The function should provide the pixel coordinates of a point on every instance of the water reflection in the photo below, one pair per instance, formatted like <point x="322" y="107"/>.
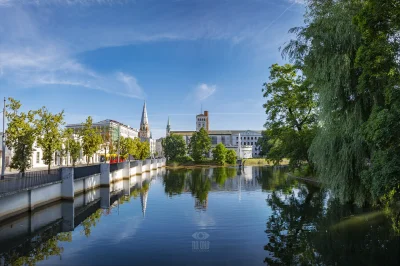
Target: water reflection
<point x="254" y="215"/>
<point x="308" y="227"/>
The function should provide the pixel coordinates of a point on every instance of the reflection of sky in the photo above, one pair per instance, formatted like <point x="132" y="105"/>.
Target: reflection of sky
<point x="236" y="231"/>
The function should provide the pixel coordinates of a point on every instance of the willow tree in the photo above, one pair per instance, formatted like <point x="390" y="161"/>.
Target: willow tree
<point x="349" y="51"/>
<point x="325" y="50"/>
<point x="379" y="24"/>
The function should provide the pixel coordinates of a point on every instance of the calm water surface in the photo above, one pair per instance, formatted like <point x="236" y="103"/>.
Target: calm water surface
<point x="215" y="216"/>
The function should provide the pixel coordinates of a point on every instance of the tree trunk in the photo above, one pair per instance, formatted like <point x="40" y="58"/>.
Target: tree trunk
<point x="48" y="168"/>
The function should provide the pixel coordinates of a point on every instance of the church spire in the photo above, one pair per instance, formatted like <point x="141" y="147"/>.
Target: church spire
<point x="144" y="120"/>
<point x="168" y="127"/>
<point x="144" y="132"/>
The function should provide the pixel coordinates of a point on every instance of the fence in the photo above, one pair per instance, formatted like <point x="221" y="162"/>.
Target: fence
<point x="116" y="166"/>
<point x="16" y="182"/>
<point x="83" y="171"/>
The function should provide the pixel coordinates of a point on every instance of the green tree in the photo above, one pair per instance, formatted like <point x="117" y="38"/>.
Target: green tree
<point x="128" y="146"/>
<point x="219" y="154"/>
<point x="74" y="150"/>
<point x="21" y="133"/>
<point x="291" y="114"/>
<point x="264" y="143"/>
<point x="379" y="25"/>
<point x="174" y="147"/>
<point x="231" y="156"/>
<point x="349" y="50"/>
<point x="200" y="145"/>
<point x="91" y="139"/>
<point x="49" y="136"/>
<point x="143" y="150"/>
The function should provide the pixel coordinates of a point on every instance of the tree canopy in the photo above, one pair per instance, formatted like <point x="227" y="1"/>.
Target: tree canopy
<point x="174" y="147"/>
<point x="200" y="145"/>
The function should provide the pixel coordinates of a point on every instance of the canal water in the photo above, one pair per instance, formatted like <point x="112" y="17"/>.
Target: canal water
<point x="211" y="216"/>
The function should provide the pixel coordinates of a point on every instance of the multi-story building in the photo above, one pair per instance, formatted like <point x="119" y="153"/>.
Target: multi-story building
<point x="159" y="147"/>
<point x="244" y="142"/>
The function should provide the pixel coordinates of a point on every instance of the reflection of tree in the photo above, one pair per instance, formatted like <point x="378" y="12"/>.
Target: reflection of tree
<point x="221" y="174"/>
<point x="174" y="182"/>
<point x="306" y="228"/>
<point x="91" y="221"/>
<point x="37" y="248"/>
<point x="272" y="179"/>
<point x="199" y="185"/>
<point x="289" y="239"/>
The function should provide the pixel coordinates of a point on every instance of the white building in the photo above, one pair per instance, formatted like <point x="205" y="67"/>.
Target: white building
<point x="159" y="148"/>
<point x="230" y="138"/>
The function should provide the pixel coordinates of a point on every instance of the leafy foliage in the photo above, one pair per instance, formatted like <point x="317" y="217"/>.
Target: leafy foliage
<point x="49" y="133"/>
<point x="200" y="145"/>
<point x="91" y="139"/>
<point x="174" y="147"/>
<point x="21" y="134"/>
<point x="291" y="115"/>
<point x="349" y="50"/>
<point x="219" y="154"/>
<point x="143" y="150"/>
<point x="231" y="156"/>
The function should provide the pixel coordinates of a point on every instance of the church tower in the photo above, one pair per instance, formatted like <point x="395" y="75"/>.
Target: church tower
<point x="168" y="128"/>
<point x="144" y="132"/>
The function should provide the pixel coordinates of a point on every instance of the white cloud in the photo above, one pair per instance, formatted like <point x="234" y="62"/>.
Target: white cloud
<point x="203" y="91"/>
<point x="133" y="88"/>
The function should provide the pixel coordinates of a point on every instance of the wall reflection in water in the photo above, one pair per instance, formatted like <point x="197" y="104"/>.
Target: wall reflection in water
<point x="35" y="236"/>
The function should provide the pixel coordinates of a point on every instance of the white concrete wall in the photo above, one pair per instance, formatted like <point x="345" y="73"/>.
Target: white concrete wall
<point x="87" y="183"/>
<point x="45" y="195"/>
<point x="14" y="204"/>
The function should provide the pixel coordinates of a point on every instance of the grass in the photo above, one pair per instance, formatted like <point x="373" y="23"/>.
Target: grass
<point x="262" y="161"/>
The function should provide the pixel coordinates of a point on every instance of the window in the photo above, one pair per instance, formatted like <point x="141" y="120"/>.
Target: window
<point x="214" y="140"/>
<point x="244" y="143"/>
<point x="251" y="143"/>
<point x="251" y="138"/>
<point x="37" y="157"/>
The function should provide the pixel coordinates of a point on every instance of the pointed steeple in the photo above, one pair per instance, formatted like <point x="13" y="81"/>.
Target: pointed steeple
<point x="144" y="120"/>
<point x="168" y="127"/>
<point x="144" y="132"/>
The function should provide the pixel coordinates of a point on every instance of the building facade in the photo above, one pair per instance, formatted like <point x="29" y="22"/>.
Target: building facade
<point x="244" y="142"/>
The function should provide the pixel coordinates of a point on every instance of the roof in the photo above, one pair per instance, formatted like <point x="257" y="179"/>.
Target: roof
<point x="101" y="123"/>
<point x="217" y="132"/>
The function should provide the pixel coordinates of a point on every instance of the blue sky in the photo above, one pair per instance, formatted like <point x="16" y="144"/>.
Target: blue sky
<point x="105" y="57"/>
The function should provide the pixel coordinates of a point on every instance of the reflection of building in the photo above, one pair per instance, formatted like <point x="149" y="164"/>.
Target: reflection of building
<point x="200" y="205"/>
<point x="143" y="200"/>
<point x="230" y="138"/>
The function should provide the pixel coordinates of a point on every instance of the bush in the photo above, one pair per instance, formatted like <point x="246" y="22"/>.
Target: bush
<point x="219" y="154"/>
<point x="184" y="159"/>
<point x="231" y="157"/>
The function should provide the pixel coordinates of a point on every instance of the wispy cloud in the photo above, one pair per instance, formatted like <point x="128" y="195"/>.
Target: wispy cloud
<point x="203" y="91"/>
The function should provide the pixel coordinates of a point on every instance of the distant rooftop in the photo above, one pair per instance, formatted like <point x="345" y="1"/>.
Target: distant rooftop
<point x="102" y="123"/>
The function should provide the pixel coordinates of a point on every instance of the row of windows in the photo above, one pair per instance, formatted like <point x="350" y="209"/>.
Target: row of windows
<point x="248" y="138"/>
<point x="201" y="119"/>
<point x="247" y="143"/>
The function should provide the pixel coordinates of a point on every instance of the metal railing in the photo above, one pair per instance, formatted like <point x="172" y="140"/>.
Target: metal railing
<point x="83" y="171"/>
<point x="116" y="166"/>
<point x="16" y="182"/>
